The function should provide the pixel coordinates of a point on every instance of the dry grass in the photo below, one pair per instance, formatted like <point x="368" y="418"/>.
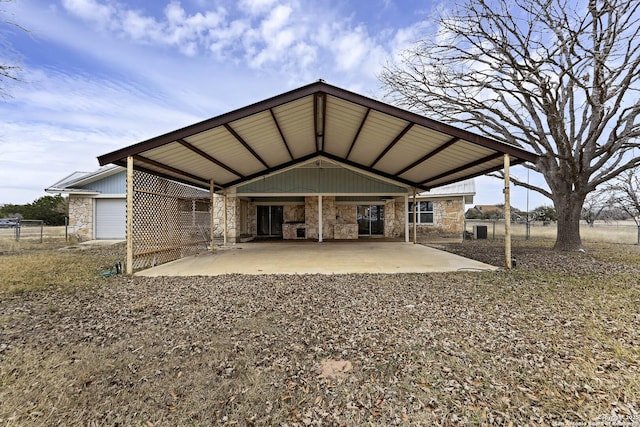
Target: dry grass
<point x="623" y="232"/>
<point x="28" y="265"/>
<point x="554" y="341"/>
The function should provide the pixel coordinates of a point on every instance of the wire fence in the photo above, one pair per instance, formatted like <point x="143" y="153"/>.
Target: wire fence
<point x="625" y="232"/>
<point x="25" y="229"/>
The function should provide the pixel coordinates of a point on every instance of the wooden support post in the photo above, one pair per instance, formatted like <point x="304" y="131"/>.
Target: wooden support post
<point x="129" y="261"/>
<point x="212" y="192"/>
<point x="415" y="218"/>
<point x="507" y="212"/>
<point x="226" y="224"/>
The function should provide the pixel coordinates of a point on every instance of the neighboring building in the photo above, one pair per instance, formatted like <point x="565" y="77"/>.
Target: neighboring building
<point x="485" y="211"/>
<point x="97" y="203"/>
<point x="97" y="208"/>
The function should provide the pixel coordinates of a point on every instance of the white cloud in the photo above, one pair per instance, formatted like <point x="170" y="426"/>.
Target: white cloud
<point x="91" y="10"/>
<point x="144" y="74"/>
<point x="256" y="7"/>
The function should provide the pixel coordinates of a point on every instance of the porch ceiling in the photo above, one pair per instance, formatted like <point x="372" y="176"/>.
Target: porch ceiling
<point x="318" y="120"/>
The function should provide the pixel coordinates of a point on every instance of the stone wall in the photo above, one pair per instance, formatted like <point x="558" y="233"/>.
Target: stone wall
<point x="448" y="218"/>
<point x="400" y="217"/>
<point x="233" y="223"/>
<point x="81" y="217"/>
<point x="346" y="226"/>
<point x="293" y="213"/>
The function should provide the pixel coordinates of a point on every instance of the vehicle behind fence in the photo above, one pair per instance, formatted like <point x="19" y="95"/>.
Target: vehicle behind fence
<point x="626" y="232"/>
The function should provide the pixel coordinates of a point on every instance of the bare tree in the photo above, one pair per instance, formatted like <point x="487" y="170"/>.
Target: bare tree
<point x="557" y="77"/>
<point x="595" y="206"/>
<point x="8" y="72"/>
<point x="626" y="193"/>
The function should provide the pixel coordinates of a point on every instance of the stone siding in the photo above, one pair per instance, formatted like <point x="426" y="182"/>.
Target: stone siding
<point x="81" y="218"/>
<point x="448" y="218"/>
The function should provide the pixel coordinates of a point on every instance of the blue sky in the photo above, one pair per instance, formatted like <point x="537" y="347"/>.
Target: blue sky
<point x="99" y="75"/>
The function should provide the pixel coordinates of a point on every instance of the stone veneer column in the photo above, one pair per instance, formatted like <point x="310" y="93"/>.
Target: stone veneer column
<point x="81" y="217"/>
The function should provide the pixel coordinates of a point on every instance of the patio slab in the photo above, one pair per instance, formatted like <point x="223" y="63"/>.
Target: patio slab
<point x="309" y="257"/>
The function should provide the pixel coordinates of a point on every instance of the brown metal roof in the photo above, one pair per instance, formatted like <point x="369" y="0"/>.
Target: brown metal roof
<point x="319" y="120"/>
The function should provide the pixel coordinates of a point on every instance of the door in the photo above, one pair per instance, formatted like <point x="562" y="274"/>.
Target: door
<point x="111" y="218"/>
<point x="371" y="220"/>
<point x="270" y="220"/>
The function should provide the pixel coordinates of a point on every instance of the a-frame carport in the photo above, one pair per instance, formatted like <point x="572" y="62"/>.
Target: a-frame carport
<point x="323" y="122"/>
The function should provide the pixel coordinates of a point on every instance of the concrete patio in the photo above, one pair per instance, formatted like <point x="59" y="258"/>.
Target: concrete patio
<point x="309" y="257"/>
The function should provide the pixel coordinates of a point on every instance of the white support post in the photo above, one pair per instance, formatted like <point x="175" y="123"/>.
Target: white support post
<point x="415" y="218"/>
<point x="406" y="218"/>
<point x="319" y="218"/>
<point x="226" y="224"/>
<point x="212" y="193"/>
<point x="129" y="261"/>
<point x="507" y="212"/>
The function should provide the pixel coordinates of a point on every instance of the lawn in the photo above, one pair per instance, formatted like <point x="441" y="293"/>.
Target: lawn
<point x="555" y="341"/>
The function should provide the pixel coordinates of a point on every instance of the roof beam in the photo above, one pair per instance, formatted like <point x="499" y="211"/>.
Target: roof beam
<point x="164" y="175"/>
<point x="208" y="157"/>
<point x="392" y="143"/>
<point x="484" y="172"/>
<point x="284" y="140"/>
<point x="355" y="138"/>
<point x="229" y="129"/>
<point x="427" y="156"/>
<point x="319" y="114"/>
<point x="168" y="168"/>
<point x="463" y="167"/>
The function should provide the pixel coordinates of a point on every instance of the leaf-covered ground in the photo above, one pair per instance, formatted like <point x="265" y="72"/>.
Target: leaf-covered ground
<point x="554" y="341"/>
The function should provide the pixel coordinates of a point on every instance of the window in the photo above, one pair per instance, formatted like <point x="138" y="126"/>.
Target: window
<point x="425" y="212"/>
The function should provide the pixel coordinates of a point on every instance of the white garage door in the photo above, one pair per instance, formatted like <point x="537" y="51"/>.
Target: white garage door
<point x="111" y="218"/>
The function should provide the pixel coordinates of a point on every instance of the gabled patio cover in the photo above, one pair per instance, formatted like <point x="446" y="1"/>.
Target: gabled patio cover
<point x="319" y="120"/>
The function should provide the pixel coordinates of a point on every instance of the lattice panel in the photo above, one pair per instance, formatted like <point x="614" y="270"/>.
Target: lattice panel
<point x="170" y="220"/>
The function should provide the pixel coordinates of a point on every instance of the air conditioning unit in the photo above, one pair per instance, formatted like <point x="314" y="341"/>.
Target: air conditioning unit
<point x="479" y="232"/>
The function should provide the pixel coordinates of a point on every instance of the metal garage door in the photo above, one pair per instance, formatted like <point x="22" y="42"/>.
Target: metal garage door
<point x="111" y="222"/>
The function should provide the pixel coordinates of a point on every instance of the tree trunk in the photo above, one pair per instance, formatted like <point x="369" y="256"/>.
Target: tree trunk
<point x="568" y="235"/>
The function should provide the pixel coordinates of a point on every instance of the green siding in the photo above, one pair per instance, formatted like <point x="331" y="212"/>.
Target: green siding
<point x="320" y="180"/>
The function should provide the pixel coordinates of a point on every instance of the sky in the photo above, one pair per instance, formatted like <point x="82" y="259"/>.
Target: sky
<point x="99" y="75"/>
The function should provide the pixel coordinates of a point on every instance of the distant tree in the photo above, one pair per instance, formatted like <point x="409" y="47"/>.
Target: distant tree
<point x="50" y="209"/>
<point x="596" y="206"/>
<point x="556" y="77"/>
<point x="545" y="214"/>
<point x="626" y="193"/>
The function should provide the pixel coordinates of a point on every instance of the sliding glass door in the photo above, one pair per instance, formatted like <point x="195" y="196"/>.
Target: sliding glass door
<point x="371" y="220"/>
<point x="270" y="220"/>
